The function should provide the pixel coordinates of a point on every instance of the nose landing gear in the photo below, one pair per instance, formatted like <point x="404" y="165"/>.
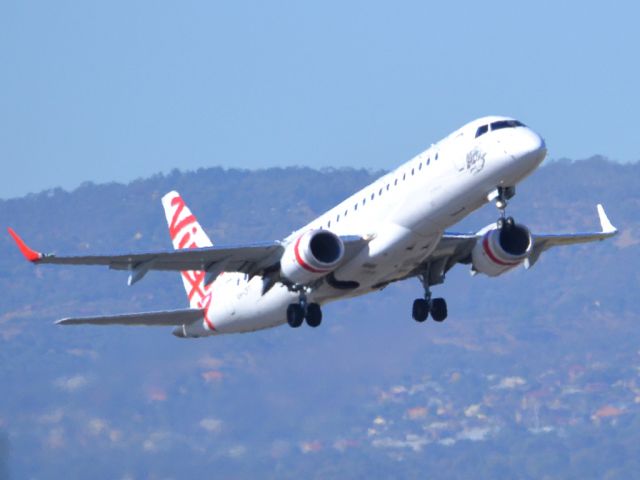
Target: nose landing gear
<point x="501" y="196"/>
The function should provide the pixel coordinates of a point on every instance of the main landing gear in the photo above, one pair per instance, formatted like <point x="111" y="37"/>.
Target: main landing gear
<point x="301" y="311"/>
<point x="422" y="307"/>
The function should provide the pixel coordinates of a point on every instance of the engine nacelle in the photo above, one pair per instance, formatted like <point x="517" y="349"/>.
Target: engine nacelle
<point x="313" y="255"/>
<point x="501" y="249"/>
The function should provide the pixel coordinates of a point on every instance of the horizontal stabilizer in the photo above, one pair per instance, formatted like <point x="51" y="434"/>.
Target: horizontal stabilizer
<point x="157" y="319"/>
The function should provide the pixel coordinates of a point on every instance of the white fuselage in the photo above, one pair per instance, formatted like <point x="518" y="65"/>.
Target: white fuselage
<point x="403" y="214"/>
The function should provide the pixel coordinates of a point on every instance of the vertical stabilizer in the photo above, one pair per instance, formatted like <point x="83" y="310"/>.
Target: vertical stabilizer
<point x="186" y="232"/>
<point x="184" y="229"/>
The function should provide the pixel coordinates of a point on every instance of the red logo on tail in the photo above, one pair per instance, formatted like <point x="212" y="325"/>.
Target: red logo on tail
<point x="177" y="226"/>
<point x="194" y="279"/>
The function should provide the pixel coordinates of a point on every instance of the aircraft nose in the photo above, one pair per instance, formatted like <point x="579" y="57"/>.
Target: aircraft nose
<point x="528" y="147"/>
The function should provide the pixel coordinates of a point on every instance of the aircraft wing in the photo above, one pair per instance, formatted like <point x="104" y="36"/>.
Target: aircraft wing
<point x="163" y="318"/>
<point x="544" y="242"/>
<point x="250" y="259"/>
<point x="456" y="248"/>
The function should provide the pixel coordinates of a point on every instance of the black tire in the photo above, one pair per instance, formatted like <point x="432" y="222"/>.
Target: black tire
<point x="295" y="315"/>
<point x="420" y="310"/>
<point x="314" y="315"/>
<point x="439" y="309"/>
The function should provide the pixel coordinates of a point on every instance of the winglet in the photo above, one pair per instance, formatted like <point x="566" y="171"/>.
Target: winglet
<point x="605" y="224"/>
<point x="28" y="253"/>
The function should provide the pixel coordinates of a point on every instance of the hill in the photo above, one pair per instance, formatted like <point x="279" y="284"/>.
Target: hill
<point x="535" y="374"/>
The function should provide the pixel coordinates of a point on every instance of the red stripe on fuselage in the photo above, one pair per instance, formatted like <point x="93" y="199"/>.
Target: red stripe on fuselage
<point x="204" y="301"/>
<point x="195" y="282"/>
<point x="487" y="249"/>
<point x="303" y="264"/>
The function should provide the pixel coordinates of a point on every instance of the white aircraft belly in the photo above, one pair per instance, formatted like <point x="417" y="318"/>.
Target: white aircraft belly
<point x="254" y="311"/>
<point x="395" y="250"/>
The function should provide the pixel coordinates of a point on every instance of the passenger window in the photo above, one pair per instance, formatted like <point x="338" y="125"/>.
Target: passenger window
<point x="380" y="192"/>
<point x="395" y="182"/>
<point x="436" y="156"/>
<point x="428" y="160"/>
<point x="420" y="166"/>
<point x="338" y="218"/>
<point x="387" y="187"/>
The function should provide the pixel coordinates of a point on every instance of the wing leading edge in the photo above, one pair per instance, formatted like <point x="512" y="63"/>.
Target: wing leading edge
<point x="250" y="259"/>
<point x="237" y="258"/>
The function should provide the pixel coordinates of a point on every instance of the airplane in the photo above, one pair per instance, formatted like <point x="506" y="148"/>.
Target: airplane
<point x="391" y="230"/>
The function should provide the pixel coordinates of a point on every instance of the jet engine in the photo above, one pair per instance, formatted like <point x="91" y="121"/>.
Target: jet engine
<point x="313" y="255"/>
<point x="501" y="249"/>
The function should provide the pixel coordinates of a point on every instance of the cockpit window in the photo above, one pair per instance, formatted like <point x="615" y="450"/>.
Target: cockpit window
<point x="506" y="124"/>
<point x="482" y="130"/>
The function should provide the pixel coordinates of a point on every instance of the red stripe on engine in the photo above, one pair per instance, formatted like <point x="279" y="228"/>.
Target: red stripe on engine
<point x="491" y="255"/>
<point x="303" y="264"/>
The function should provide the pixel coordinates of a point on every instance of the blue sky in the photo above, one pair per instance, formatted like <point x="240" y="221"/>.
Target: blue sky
<point x="117" y="90"/>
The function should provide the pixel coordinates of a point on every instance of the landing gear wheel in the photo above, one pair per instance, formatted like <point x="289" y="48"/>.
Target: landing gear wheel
<point x="505" y="222"/>
<point x="420" y="310"/>
<point x="314" y="315"/>
<point x="438" y="309"/>
<point x="295" y="315"/>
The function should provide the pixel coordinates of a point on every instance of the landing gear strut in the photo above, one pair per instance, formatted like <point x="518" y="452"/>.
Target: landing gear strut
<point x="298" y="312"/>
<point x="422" y="307"/>
<point x="501" y="196"/>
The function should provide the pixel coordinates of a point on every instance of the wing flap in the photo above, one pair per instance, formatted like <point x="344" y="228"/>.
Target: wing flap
<point x="151" y="319"/>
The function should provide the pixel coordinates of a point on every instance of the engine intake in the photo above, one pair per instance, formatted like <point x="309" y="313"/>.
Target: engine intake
<point x="313" y="255"/>
<point x="502" y="249"/>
